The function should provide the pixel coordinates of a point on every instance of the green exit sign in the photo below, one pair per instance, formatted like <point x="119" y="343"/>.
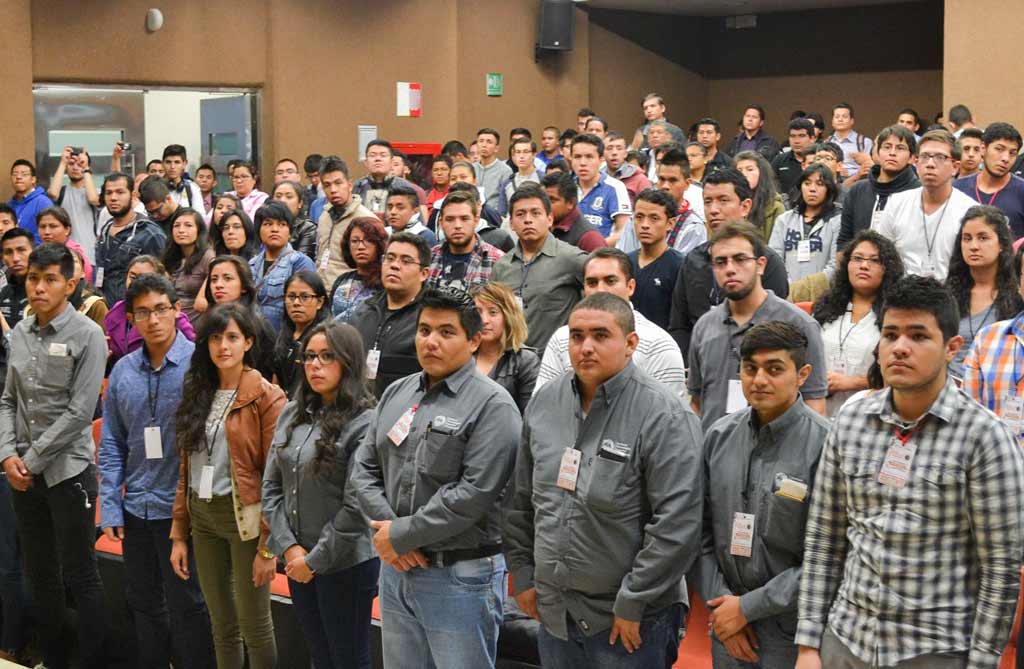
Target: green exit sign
<point x="495" y="84"/>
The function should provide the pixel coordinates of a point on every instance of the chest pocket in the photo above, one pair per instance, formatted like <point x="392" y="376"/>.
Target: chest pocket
<point x="614" y="485"/>
<point x="441" y="456"/>
<point x="272" y="289"/>
<point x="785" y="520"/>
<point x="116" y="253"/>
<point x="56" y="372"/>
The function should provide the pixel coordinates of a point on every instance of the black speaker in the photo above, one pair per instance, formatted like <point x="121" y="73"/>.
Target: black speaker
<point x="557" y="25"/>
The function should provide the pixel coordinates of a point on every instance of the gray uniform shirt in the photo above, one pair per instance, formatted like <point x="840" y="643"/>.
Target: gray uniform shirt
<point x="492" y="178"/>
<point x="54" y="374"/>
<point x="715" y="353"/>
<point x="441" y="485"/>
<point x="549" y="285"/>
<point x="315" y="508"/>
<point x="619" y="544"/>
<point x="743" y="465"/>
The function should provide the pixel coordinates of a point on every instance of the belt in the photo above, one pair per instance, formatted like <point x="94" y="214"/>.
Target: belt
<point x="447" y="558"/>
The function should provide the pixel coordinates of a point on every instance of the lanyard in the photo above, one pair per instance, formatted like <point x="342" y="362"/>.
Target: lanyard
<point x="970" y="320"/>
<point x="977" y="193"/>
<point x="220" y="421"/>
<point x="153" y="399"/>
<point x="904" y="438"/>
<point x="924" y="223"/>
<point x="1017" y="378"/>
<point x="842" y="339"/>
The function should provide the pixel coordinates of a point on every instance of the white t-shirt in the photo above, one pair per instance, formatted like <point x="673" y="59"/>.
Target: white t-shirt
<point x="851" y="345"/>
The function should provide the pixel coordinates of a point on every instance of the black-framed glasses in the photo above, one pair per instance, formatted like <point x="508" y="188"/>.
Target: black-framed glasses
<point x="324" y="357"/>
<point x="144" y="314"/>
<point x="302" y="298"/>
<point x="738" y="260"/>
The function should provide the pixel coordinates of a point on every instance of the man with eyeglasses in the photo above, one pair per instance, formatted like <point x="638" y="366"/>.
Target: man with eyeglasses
<point x="387" y="321"/>
<point x="286" y="169"/>
<point x="924" y="222"/>
<point x="137" y="452"/>
<point x="894" y="173"/>
<point x="738" y="258"/>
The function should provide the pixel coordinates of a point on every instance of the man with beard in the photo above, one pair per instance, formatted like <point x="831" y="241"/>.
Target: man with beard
<point x="79" y="198"/>
<point x="994" y="184"/>
<point x="123" y="237"/>
<point x="738" y="261"/>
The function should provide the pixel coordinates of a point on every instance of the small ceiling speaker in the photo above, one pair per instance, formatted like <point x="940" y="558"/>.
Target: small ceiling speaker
<point x="154" y="20"/>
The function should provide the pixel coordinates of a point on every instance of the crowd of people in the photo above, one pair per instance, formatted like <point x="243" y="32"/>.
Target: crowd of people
<point x="613" y="368"/>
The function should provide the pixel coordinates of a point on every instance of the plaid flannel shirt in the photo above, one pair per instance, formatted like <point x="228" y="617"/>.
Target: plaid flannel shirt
<point x="993" y="367"/>
<point x="932" y="567"/>
<point x="478" y="271"/>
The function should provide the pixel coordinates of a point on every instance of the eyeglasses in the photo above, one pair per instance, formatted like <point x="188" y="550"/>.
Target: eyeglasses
<point x="325" y="357"/>
<point x="391" y="258"/>
<point x="145" y="314"/>
<point x="302" y="298"/>
<point x="359" y="242"/>
<point x="873" y="261"/>
<point x="739" y="260"/>
<point x="939" y="158"/>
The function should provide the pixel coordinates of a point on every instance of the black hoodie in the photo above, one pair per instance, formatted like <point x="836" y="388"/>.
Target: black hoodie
<point x="868" y="194"/>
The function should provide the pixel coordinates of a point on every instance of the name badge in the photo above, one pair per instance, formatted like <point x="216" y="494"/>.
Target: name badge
<point x="929" y="267"/>
<point x="839" y="364"/>
<point x="206" y="483"/>
<point x="736" y="400"/>
<point x="742" y="543"/>
<point x="519" y="301"/>
<point x="400" y="430"/>
<point x="324" y="261"/>
<point x="569" y="470"/>
<point x="803" y="251"/>
<point x="1012" y="412"/>
<point x="372" y="363"/>
<point x="58" y="349"/>
<point x="98" y="277"/>
<point x="895" y="470"/>
<point x="154" y="445"/>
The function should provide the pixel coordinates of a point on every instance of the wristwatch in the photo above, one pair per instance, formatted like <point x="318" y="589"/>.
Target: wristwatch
<point x="267" y="555"/>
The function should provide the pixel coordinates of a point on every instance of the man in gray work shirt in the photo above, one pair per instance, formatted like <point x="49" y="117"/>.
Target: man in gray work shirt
<point x="605" y="513"/>
<point x="55" y="370"/>
<point x="738" y="259"/>
<point x="759" y="466"/>
<point x="429" y="475"/>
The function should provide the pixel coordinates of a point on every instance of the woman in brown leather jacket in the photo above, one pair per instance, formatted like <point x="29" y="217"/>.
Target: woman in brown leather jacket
<point x="224" y="430"/>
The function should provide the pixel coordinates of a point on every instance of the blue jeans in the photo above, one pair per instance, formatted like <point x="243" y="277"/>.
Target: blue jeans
<point x="775" y="648"/>
<point x="13" y="587"/>
<point x="171" y="620"/>
<point x="594" y="652"/>
<point x="444" y="617"/>
<point x="334" y="613"/>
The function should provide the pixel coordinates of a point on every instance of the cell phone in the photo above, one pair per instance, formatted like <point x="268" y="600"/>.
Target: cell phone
<point x="127" y="146"/>
<point x="75" y="150"/>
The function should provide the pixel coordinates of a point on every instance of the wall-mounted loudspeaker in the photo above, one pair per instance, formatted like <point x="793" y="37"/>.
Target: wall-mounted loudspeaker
<point x="557" y="25"/>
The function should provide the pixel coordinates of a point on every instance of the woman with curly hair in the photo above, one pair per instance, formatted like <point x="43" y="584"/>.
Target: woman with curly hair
<point x="982" y="276"/>
<point x="316" y="525"/>
<point x="850" y="313"/>
<point x="362" y="247"/>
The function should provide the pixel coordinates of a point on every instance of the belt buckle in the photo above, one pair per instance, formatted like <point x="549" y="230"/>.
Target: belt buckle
<point x="436" y="560"/>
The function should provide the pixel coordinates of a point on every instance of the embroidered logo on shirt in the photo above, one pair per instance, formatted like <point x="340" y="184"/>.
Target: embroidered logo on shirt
<point x="598" y="203"/>
<point x="657" y="281"/>
<point x="447" y="424"/>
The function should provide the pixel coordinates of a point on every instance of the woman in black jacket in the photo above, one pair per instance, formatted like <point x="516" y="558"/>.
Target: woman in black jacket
<point x="502" y="355"/>
<point x="303" y="230"/>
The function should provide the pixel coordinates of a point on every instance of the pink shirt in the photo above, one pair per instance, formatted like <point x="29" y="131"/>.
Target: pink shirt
<point x="252" y="202"/>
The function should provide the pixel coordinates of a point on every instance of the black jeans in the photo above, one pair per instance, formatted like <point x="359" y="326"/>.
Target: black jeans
<point x="171" y="620"/>
<point x="13" y="590"/>
<point x="58" y="537"/>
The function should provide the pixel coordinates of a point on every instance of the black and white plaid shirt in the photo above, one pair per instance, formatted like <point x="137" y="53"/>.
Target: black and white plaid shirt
<point x="932" y="567"/>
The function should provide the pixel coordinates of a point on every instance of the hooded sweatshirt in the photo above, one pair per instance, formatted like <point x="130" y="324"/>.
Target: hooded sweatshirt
<point x="28" y="207"/>
<point x="867" y="197"/>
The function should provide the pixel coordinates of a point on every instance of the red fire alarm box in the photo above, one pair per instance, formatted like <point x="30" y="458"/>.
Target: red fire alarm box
<point x="421" y="155"/>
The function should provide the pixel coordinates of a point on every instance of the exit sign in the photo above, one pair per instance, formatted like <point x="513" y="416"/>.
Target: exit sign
<point x="495" y="84"/>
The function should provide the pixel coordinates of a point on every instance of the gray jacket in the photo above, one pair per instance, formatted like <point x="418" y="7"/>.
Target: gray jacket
<point x="620" y="543"/>
<point x="742" y="463"/>
<point x="441" y="485"/>
<point x="316" y="509"/>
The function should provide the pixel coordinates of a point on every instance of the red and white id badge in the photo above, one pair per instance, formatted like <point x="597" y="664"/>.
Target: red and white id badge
<point x="569" y="469"/>
<point x="742" y="542"/>
<point x="372" y="363"/>
<point x="400" y="430"/>
<point x="899" y="458"/>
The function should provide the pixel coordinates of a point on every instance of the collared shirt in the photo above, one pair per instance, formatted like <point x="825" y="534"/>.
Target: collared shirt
<point x="715" y="353"/>
<point x="313" y="505"/>
<point x="925" y="241"/>
<point x="656" y="354"/>
<point x="54" y="374"/>
<point x="994" y="367"/>
<point x="188" y="194"/>
<point x="139" y="397"/>
<point x="850" y="346"/>
<point x="549" y="285"/>
<point x="467" y="274"/>
<point x="271" y="278"/>
<point x="620" y="542"/>
<point x="575" y="230"/>
<point x="854" y="142"/>
<point x="933" y="567"/>
<point x="441" y="485"/>
<point x="744" y="465"/>
<point x="604" y="202"/>
<point x="251" y="202"/>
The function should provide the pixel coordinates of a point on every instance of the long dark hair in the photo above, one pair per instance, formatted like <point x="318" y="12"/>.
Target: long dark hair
<point x="252" y="242"/>
<point x="248" y="297"/>
<point x="832" y="305"/>
<point x="376" y="235"/>
<point x="202" y="379"/>
<point x="831" y="188"/>
<point x="353" y="395"/>
<point x="767" y="190"/>
<point x="1008" y="302"/>
<point x="285" y="335"/>
<point x="173" y="255"/>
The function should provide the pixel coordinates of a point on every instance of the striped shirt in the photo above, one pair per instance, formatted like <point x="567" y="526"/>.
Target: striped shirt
<point x="994" y="367"/>
<point x="932" y="567"/>
<point x="657" y="354"/>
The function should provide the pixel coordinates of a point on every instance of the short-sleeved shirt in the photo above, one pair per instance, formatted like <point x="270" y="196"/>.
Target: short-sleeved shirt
<point x="1009" y="199"/>
<point x="715" y="353"/>
<point x="654" y="285"/>
<point x="603" y="203"/>
<point x="75" y="201"/>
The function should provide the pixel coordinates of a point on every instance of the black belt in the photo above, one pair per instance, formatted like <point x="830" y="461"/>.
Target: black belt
<point x="447" y="558"/>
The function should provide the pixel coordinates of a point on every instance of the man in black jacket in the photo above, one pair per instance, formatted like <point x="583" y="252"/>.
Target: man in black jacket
<point x="894" y="174"/>
<point x="387" y="321"/>
<point x="727" y="197"/>
<point x="788" y="165"/>
<point x="753" y="137"/>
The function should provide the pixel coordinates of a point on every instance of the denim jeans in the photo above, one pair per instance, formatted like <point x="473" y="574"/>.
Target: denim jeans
<point x="334" y="613"/>
<point x="443" y="617"/>
<point x="13" y="588"/>
<point x="171" y="621"/>
<point x="594" y="652"/>
<point x="58" y="536"/>
<point x="775" y="648"/>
